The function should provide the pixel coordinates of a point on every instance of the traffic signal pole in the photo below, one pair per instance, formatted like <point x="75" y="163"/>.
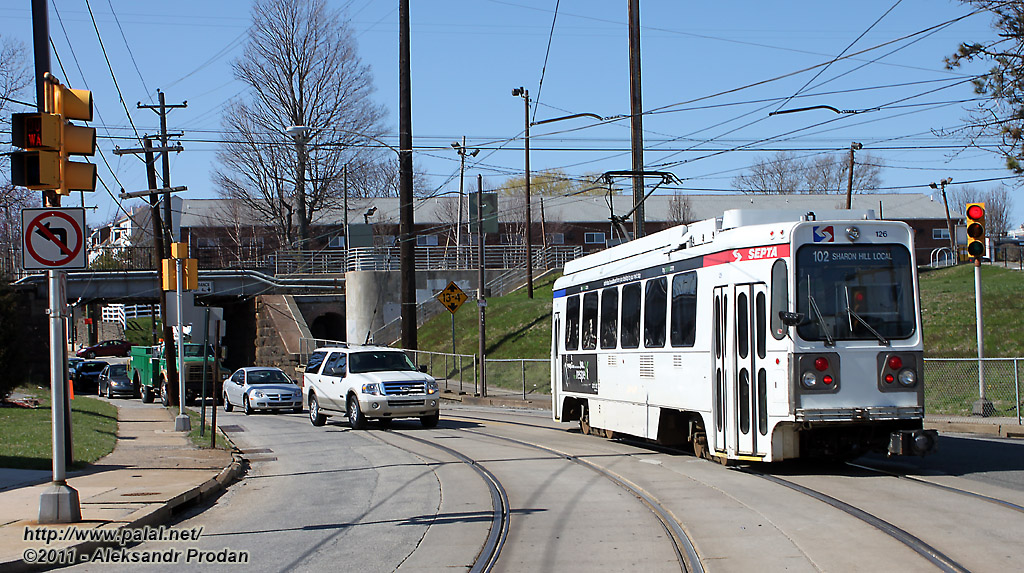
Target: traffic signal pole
<point x="60" y="502"/>
<point x="983" y="406"/>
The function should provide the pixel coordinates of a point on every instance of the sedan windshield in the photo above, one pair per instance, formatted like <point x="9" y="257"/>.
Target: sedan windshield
<point x="855" y="292"/>
<point x="380" y="362"/>
<point x="267" y="377"/>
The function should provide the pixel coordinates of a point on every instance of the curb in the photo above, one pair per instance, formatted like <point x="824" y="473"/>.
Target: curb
<point x="154" y="516"/>
<point x="499" y="402"/>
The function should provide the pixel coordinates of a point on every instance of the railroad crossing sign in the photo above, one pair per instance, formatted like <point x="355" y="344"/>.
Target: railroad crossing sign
<point x="452" y="297"/>
<point x="53" y="238"/>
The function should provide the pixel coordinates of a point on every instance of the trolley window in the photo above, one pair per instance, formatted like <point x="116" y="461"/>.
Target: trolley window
<point x="760" y="326"/>
<point x="683" y="330"/>
<point x="655" y="311"/>
<point x="630" y="336"/>
<point x="609" y="317"/>
<point x="589" y="334"/>
<point x="780" y="298"/>
<point x="572" y="323"/>
<point x="742" y="325"/>
<point x="855" y="292"/>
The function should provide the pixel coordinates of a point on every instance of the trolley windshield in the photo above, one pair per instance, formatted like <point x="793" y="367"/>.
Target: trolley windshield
<point x="855" y="292"/>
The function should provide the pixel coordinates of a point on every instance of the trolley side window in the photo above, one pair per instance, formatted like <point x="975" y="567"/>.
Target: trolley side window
<point x="780" y="298"/>
<point x="684" y="309"/>
<point x="630" y="336"/>
<point x="609" y="317"/>
<point x="655" y="311"/>
<point x="572" y="323"/>
<point x="589" y="335"/>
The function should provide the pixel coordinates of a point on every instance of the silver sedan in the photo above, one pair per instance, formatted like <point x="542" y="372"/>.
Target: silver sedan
<point x="261" y="388"/>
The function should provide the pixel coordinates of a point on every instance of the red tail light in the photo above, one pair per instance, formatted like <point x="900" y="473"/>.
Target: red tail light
<point x="895" y="362"/>
<point x="821" y="364"/>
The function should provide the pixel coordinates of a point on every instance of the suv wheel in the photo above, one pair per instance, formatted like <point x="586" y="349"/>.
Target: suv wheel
<point x="315" y="417"/>
<point x="431" y="420"/>
<point x="355" y="415"/>
<point x="227" y="403"/>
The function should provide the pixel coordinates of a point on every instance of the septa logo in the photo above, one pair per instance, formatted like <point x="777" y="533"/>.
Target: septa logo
<point x="823" y="234"/>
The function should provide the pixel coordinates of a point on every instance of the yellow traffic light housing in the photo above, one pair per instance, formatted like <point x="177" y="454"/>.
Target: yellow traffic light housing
<point x="75" y="140"/>
<point x="976" y="230"/>
<point x="39" y="134"/>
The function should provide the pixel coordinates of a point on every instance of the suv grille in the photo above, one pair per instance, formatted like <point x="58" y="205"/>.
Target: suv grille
<point x="403" y="388"/>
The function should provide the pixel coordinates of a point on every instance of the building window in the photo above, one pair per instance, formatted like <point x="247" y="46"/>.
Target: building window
<point x="556" y="238"/>
<point x="336" y="242"/>
<point x="940" y="234"/>
<point x="510" y="239"/>
<point x="593" y="238"/>
<point x="426" y="240"/>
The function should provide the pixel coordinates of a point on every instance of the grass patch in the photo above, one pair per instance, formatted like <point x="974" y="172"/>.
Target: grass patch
<point x="27" y="433"/>
<point x="948" y="312"/>
<point x="204" y="440"/>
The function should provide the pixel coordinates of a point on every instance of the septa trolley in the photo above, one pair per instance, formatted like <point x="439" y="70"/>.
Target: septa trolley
<point x="758" y="336"/>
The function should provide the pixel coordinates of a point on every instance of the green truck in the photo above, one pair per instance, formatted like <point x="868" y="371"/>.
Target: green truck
<point x="148" y="371"/>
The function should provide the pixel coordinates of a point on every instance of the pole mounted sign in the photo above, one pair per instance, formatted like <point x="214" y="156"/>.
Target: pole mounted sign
<point x="53" y="239"/>
<point x="452" y="297"/>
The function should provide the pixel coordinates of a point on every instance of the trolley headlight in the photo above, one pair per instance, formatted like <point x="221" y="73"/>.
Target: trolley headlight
<point x="809" y="380"/>
<point x="908" y="377"/>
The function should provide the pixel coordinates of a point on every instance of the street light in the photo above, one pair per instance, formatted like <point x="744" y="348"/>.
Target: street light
<point x="949" y="222"/>
<point x="369" y="213"/>
<point x="525" y="94"/>
<point x="301" y="135"/>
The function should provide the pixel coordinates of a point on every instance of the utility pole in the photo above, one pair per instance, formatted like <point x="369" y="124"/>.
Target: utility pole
<point x="949" y="221"/>
<point x="407" y="253"/>
<point x="481" y="300"/>
<point x="636" y="118"/>
<point x="462" y="151"/>
<point x="181" y="423"/>
<point x="849" y="175"/>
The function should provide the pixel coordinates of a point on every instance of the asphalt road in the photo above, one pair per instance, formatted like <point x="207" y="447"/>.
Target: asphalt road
<point x="334" y="499"/>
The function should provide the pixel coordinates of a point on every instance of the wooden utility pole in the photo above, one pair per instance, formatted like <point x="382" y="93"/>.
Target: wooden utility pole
<point x="636" y="118"/>
<point x="406" y="235"/>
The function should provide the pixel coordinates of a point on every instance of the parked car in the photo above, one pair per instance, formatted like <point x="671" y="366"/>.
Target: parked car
<point x="368" y="382"/>
<point x="73" y="366"/>
<point x="87" y="376"/>
<point x="106" y="348"/>
<point x="261" y="388"/>
<point x="113" y="381"/>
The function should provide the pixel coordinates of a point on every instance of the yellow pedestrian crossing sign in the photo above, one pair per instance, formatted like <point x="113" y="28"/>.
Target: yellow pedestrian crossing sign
<point x="452" y="297"/>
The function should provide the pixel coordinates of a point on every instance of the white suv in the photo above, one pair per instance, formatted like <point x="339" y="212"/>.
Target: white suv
<point x="368" y="383"/>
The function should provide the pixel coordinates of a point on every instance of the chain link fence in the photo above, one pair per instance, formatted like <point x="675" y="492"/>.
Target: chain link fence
<point x="969" y="389"/>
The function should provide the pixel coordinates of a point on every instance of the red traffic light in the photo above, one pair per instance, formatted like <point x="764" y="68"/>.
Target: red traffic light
<point x="975" y="211"/>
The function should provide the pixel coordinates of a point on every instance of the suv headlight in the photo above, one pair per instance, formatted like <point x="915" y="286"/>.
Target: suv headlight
<point x="431" y="386"/>
<point x="373" y="389"/>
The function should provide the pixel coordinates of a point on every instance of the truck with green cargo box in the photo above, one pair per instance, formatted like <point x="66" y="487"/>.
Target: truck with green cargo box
<point x="148" y="371"/>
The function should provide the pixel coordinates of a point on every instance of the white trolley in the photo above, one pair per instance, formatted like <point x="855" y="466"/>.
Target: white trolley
<point x="756" y="336"/>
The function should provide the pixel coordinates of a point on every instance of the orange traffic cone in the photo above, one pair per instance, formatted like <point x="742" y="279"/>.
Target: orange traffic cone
<point x="71" y="390"/>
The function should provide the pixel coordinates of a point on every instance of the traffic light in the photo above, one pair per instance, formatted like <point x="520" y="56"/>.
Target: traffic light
<point x="48" y="139"/>
<point x="75" y="139"/>
<point x="976" y="229"/>
<point x="39" y="134"/>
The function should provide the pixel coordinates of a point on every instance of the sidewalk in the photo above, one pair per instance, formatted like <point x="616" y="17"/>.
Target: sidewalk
<point x="152" y="471"/>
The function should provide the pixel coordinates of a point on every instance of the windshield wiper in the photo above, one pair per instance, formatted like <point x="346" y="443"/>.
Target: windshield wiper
<point x="849" y="311"/>
<point x="821" y="321"/>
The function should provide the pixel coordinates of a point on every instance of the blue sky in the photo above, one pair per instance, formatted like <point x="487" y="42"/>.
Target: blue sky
<point x="712" y="72"/>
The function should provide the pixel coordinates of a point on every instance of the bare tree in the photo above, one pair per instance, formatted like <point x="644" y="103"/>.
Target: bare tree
<point x="787" y="172"/>
<point x="679" y="211"/>
<point x="15" y="79"/>
<point x="998" y="206"/>
<point x="302" y="69"/>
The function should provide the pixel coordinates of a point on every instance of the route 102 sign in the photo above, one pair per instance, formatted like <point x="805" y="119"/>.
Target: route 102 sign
<point x="53" y="239"/>
<point x="452" y="297"/>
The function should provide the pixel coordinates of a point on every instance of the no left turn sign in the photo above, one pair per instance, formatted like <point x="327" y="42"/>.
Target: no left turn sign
<point x="53" y="238"/>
